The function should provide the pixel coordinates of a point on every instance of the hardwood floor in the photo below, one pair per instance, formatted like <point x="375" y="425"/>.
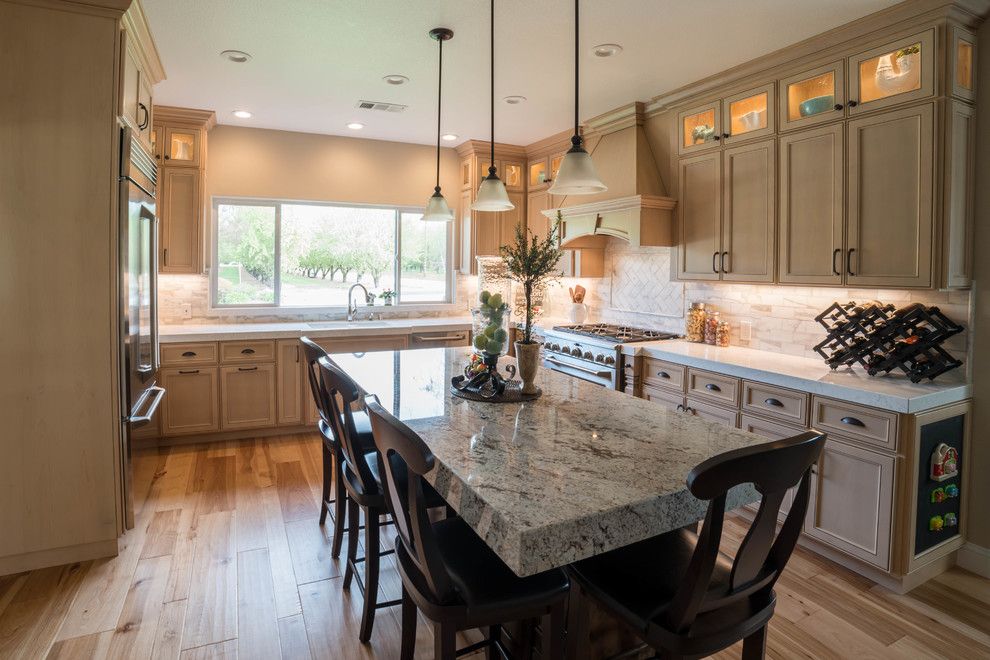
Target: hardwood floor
<point x="227" y="560"/>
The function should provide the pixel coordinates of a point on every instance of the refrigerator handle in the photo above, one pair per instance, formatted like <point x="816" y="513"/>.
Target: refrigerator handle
<point x="155" y="395"/>
<point x="148" y="214"/>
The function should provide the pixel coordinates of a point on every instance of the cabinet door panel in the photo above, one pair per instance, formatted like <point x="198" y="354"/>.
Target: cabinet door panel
<point x="812" y="97"/>
<point x="509" y="220"/>
<point x="959" y="185"/>
<point x="700" y="204"/>
<point x="749" y="114"/>
<point x="710" y="413"/>
<point x="897" y="72"/>
<point x="292" y="385"/>
<point x="772" y="431"/>
<point x="811" y="206"/>
<point x="851" y="502"/>
<point x="180" y="221"/>
<point x="191" y="402"/>
<point x="247" y="396"/>
<point x="748" y="220"/>
<point x="890" y="214"/>
<point x="669" y="400"/>
<point x="700" y="129"/>
<point x="536" y="222"/>
<point x="182" y="146"/>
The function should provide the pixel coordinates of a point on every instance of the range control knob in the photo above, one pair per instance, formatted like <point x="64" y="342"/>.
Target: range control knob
<point x="555" y="347"/>
<point x="609" y="360"/>
<point x="599" y="358"/>
<point x="546" y="344"/>
<point x="588" y="355"/>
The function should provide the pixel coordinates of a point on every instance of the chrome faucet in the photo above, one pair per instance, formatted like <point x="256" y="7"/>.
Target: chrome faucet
<point x="351" y="307"/>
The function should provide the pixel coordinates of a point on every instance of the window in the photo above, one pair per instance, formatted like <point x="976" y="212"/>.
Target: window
<point x="304" y="254"/>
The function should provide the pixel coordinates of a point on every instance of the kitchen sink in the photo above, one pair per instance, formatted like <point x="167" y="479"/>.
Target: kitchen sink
<point x="339" y="325"/>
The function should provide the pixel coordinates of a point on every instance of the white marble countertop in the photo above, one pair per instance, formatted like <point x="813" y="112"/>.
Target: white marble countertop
<point x="891" y="392"/>
<point x="234" y="331"/>
<point x="577" y="472"/>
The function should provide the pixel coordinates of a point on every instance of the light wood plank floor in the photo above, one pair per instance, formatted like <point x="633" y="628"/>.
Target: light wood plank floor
<point x="227" y="560"/>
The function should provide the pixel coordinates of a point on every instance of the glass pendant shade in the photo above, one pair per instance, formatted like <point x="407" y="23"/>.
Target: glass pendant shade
<point x="577" y="175"/>
<point x="437" y="209"/>
<point x="492" y="195"/>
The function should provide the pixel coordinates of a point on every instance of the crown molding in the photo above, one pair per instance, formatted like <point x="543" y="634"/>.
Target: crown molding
<point x="205" y="119"/>
<point x="136" y="23"/>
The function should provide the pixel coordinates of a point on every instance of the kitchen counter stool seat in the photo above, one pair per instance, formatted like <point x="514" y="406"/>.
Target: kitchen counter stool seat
<point x="448" y="572"/>
<point x="681" y="595"/>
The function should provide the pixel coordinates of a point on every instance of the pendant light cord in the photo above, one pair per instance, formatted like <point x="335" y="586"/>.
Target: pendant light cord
<point x="491" y="165"/>
<point x="439" y="106"/>
<point x="577" y="54"/>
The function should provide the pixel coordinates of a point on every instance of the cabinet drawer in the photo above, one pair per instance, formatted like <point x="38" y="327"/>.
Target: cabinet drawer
<point x="708" y="412"/>
<point x="667" y="399"/>
<point x="777" y="402"/>
<point x="179" y="354"/>
<point x="439" y="339"/>
<point x="191" y="400"/>
<point x="667" y="375"/>
<point x="261" y="350"/>
<point x="875" y="427"/>
<point x="769" y="430"/>
<point x="247" y="396"/>
<point x="717" y="388"/>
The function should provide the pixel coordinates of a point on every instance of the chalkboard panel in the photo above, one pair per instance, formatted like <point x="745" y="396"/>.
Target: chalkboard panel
<point x="950" y="431"/>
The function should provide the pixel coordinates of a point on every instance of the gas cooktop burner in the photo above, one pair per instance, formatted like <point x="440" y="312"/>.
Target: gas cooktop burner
<point x="619" y="334"/>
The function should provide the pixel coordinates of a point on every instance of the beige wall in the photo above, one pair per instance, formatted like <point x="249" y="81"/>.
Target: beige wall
<point x="979" y="496"/>
<point x="255" y="162"/>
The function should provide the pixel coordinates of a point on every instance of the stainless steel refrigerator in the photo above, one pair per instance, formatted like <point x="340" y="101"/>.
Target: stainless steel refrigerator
<point x="140" y="393"/>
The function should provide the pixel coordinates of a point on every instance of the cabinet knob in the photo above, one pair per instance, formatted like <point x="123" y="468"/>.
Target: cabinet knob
<point x="716" y="137"/>
<point x="838" y="106"/>
<point x="167" y="157"/>
<point x="853" y="104"/>
<point x="726" y="135"/>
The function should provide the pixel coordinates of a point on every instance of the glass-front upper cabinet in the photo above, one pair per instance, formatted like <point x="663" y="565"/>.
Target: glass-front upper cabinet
<point x="512" y="174"/>
<point x="700" y="128"/>
<point x="539" y="174"/>
<point x="748" y="115"/>
<point x="812" y="97"/>
<point x="555" y="162"/>
<point x="897" y="72"/>
<point x="466" y="174"/>
<point x="962" y="59"/>
<point x="182" y="146"/>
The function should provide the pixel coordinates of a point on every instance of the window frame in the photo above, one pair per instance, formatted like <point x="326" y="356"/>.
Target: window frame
<point x="276" y="306"/>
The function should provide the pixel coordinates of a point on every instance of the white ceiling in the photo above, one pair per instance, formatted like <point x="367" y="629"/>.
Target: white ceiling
<point x="314" y="59"/>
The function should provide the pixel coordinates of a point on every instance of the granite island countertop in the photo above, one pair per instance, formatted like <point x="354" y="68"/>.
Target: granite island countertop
<point x="891" y="392"/>
<point x="288" y="330"/>
<point x="580" y="471"/>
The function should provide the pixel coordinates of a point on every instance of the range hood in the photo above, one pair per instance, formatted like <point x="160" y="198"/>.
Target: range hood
<point x="635" y="207"/>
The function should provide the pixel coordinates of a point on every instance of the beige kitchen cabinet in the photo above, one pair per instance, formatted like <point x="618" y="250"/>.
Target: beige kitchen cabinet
<point x="958" y="188"/>
<point x="890" y="213"/>
<point x="897" y="72"/>
<point x="813" y="97"/>
<point x="537" y="223"/>
<point x="467" y="180"/>
<point x="748" y="215"/>
<point x="247" y="396"/>
<point x="772" y="431"/>
<point x="157" y="140"/>
<point x="180" y="211"/>
<point x="509" y="220"/>
<point x="192" y="400"/>
<point x="669" y="400"/>
<point x="543" y="170"/>
<point x="291" y="385"/>
<point x="851" y="502"/>
<point x="748" y="115"/>
<point x="180" y="145"/>
<point x="140" y="70"/>
<point x="711" y="413"/>
<point x="700" y="209"/>
<point x="812" y="217"/>
<point x="699" y="128"/>
<point x="962" y="63"/>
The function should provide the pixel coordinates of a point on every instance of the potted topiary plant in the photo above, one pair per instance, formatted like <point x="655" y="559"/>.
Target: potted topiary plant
<point x="387" y="295"/>
<point x="532" y="262"/>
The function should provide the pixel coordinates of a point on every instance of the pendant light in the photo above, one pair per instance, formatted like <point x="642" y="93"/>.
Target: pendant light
<point x="437" y="209"/>
<point x="577" y="174"/>
<point x="491" y="193"/>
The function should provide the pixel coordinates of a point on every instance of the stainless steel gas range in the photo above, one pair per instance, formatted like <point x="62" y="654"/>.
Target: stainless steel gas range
<point x="592" y="352"/>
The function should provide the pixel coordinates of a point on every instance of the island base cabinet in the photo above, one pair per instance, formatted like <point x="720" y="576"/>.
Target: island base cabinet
<point x="851" y="502"/>
<point x="247" y="396"/>
<point x="191" y="401"/>
<point x="292" y="385"/>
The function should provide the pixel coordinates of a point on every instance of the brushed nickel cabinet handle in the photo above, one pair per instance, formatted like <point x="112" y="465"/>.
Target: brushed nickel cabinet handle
<point x="712" y="387"/>
<point x="852" y="421"/>
<point x="774" y="402"/>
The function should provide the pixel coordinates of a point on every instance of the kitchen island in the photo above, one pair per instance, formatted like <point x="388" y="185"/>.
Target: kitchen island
<point x="580" y="471"/>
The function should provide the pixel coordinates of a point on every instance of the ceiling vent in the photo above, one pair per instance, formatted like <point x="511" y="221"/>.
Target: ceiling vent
<point x="379" y="105"/>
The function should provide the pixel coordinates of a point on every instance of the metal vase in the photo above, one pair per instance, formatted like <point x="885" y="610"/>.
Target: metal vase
<point x="528" y="361"/>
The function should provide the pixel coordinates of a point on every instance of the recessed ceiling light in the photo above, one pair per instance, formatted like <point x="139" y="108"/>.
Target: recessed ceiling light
<point x="606" y="50"/>
<point x="449" y="137"/>
<point x="238" y="56"/>
<point x="514" y="100"/>
<point x="355" y="126"/>
<point x="242" y="114"/>
<point x="396" y="79"/>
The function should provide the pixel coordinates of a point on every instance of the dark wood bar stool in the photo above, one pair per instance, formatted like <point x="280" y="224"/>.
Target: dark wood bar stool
<point x="334" y="493"/>
<point x="677" y="592"/>
<point x="358" y="466"/>
<point x="447" y="570"/>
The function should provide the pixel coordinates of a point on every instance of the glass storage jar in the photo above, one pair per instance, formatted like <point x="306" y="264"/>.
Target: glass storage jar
<point x="722" y="334"/>
<point x="711" y="327"/>
<point x="695" y="323"/>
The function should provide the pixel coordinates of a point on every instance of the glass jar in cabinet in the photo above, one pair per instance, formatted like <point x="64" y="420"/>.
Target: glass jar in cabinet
<point x="897" y="72"/>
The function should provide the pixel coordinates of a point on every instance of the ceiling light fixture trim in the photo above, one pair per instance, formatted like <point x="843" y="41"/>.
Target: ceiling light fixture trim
<point x="396" y="79"/>
<point x="235" y="56"/>
<point x="606" y="50"/>
<point x="242" y="114"/>
<point x="491" y="193"/>
<point x="355" y="125"/>
<point x="577" y="174"/>
<point x="437" y="209"/>
<point x="449" y="137"/>
<point x="515" y="99"/>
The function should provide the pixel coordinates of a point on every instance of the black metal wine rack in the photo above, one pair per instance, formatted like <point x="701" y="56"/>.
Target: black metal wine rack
<point x="882" y="338"/>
